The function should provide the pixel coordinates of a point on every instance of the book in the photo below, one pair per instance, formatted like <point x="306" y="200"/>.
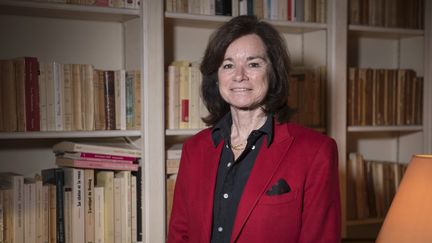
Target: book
<point x="89" y="204"/>
<point x="99" y="100"/>
<point x="67" y="97"/>
<point x="90" y="164"/>
<point x="99" y="214"/>
<point x="109" y="98"/>
<point x="77" y="112"/>
<point x="95" y="156"/>
<point x="68" y="146"/>
<point x="8" y="96"/>
<point x="74" y="179"/>
<point x="55" y="177"/>
<point x="87" y="86"/>
<point x="105" y="179"/>
<point x="15" y="184"/>
<point x="29" y="210"/>
<point x="174" y="151"/>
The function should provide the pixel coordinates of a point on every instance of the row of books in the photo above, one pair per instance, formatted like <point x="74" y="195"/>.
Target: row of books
<point x="51" y="96"/>
<point x="307" y="96"/>
<point x="371" y="186"/>
<point x="132" y="4"/>
<point x="284" y="10"/>
<point x="384" y="97"/>
<point x="388" y="13"/>
<point x="74" y="203"/>
<point x="184" y="106"/>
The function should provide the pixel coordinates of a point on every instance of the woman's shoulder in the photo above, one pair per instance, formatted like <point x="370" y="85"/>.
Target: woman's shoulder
<point x="301" y="132"/>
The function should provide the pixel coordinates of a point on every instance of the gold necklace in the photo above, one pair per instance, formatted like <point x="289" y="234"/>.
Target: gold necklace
<point x="239" y="146"/>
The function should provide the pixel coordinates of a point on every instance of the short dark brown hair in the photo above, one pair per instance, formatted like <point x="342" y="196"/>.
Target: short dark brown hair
<point x="276" y="98"/>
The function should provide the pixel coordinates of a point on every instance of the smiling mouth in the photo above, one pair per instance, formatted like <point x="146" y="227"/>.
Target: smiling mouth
<point x="240" y="89"/>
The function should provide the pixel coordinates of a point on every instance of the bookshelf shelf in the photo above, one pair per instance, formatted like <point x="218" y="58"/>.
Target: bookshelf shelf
<point x="67" y="11"/>
<point x="384" y="32"/>
<point x="213" y="21"/>
<point x="181" y="132"/>
<point x="385" y="128"/>
<point x="72" y="134"/>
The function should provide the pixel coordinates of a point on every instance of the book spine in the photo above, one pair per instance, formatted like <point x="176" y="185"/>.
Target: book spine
<point x="58" y="80"/>
<point x="32" y="94"/>
<point x="99" y="214"/>
<point x="108" y="158"/>
<point x="89" y="205"/>
<point x="129" y="101"/>
<point x="96" y="164"/>
<point x="21" y="97"/>
<point x="109" y="95"/>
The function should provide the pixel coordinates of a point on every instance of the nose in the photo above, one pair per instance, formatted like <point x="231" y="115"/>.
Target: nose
<point x="240" y="74"/>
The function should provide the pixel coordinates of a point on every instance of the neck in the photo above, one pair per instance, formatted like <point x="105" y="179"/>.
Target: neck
<point x="244" y="122"/>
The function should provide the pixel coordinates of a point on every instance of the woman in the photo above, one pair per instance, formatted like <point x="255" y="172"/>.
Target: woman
<point x="253" y="176"/>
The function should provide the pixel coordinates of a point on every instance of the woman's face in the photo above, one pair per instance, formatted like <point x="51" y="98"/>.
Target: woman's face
<point x="243" y="81"/>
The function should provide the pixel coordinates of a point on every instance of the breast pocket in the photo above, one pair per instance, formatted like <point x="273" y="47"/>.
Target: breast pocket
<point x="284" y="198"/>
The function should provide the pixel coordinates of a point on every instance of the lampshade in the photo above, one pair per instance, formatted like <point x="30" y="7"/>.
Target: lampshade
<point x="409" y="218"/>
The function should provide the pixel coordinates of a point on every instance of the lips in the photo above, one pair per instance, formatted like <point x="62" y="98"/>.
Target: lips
<point x="240" y="89"/>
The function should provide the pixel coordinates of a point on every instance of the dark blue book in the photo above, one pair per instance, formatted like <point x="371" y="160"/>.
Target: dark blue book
<point x="55" y="176"/>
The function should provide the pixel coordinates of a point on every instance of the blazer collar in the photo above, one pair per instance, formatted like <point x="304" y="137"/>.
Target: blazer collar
<point x="266" y="165"/>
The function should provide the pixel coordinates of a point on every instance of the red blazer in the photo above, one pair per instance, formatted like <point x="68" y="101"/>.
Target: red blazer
<point x="310" y="212"/>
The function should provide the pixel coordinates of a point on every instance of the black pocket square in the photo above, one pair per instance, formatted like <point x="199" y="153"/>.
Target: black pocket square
<point x="280" y="187"/>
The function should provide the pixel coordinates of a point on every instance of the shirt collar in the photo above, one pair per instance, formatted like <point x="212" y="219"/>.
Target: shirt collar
<point x="222" y="129"/>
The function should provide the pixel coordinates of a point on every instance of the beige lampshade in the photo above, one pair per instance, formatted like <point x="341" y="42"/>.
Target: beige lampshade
<point x="409" y="219"/>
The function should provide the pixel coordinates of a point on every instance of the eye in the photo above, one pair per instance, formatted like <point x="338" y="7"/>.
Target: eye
<point x="254" y="64"/>
<point x="227" y="66"/>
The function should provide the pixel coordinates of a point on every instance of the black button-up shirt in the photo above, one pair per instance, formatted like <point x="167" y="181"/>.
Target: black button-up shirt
<point x="233" y="174"/>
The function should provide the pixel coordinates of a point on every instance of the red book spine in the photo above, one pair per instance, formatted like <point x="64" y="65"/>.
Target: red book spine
<point x="185" y="110"/>
<point x="32" y="94"/>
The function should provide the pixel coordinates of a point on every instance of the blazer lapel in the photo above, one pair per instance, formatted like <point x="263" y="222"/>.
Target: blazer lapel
<point x="266" y="165"/>
<point x="212" y="156"/>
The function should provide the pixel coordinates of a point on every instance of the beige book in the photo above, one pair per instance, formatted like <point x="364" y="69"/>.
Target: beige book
<point x="99" y="214"/>
<point x="120" y="99"/>
<point x="15" y="182"/>
<point x="67" y="97"/>
<point x="89" y="204"/>
<point x="77" y="123"/>
<point x="74" y="179"/>
<point x="42" y="97"/>
<point x="125" y="205"/>
<point x="105" y="179"/>
<point x="87" y="109"/>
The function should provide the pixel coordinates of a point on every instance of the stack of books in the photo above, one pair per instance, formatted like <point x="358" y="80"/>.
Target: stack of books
<point x="70" y="154"/>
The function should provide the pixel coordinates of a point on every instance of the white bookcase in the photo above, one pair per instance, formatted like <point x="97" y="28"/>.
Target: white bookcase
<point x="150" y="38"/>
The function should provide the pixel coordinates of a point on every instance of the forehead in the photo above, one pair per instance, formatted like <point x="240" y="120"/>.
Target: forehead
<point x="251" y="44"/>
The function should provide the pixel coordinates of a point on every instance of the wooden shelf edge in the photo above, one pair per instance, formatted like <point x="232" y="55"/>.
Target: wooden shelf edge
<point x="385" y="32"/>
<point x="385" y="128"/>
<point x="286" y="26"/>
<point x="67" y="11"/>
<point x="182" y="132"/>
<point x="69" y="134"/>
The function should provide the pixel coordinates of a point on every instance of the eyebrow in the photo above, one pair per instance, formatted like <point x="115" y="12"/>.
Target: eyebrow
<point x="248" y="58"/>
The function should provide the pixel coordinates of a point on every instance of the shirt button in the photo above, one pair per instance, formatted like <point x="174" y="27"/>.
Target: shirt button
<point x="253" y="147"/>
<point x="225" y="195"/>
<point x="229" y="164"/>
<point x="226" y="146"/>
<point x="220" y="229"/>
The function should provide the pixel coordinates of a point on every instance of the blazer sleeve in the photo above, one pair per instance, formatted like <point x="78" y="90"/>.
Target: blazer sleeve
<point x="321" y="218"/>
<point x="178" y="226"/>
